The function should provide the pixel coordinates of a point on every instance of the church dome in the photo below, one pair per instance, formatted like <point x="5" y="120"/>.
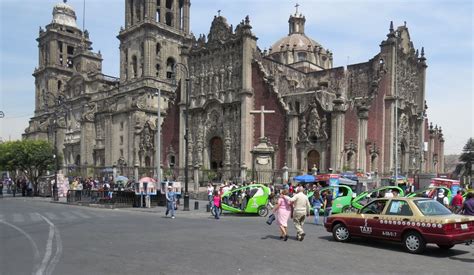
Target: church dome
<point x="296" y="41"/>
<point x="298" y="50"/>
<point x="64" y="14"/>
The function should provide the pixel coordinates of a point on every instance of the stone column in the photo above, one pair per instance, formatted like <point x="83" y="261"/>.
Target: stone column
<point x="114" y="172"/>
<point x="87" y="141"/>
<point x="243" y="173"/>
<point x="293" y="138"/>
<point x="249" y="45"/>
<point x="128" y="16"/>
<point x="196" y="178"/>
<point x="147" y="64"/>
<point x="186" y="18"/>
<point x="135" y="173"/>
<point x="430" y="150"/>
<point x="363" y="116"/>
<point x="441" y="155"/>
<point x="337" y="134"/>
<point x="285" y="173"/>
<point x="108" y="135"/>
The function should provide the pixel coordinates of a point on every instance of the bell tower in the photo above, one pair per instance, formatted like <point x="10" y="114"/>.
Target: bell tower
<point x="57" y="46"/>
<point x="153" y="38"/>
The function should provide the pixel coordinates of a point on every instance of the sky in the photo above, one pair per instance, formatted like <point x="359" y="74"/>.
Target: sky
<point x="351" y="29"/>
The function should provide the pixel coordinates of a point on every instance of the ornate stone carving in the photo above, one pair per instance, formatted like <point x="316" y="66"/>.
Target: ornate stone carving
<point x="89" y="111"/>
<point x="302" y="136"/>
<point x="314" y="124"/>
<point x="403" y="128"/>
<point x="147" y="137"/>
<point x="350" y="146"/>
<point x="220" y="30"/>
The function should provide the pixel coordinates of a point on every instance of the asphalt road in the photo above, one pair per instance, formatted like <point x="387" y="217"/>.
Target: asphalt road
<point x="38" y="237"/>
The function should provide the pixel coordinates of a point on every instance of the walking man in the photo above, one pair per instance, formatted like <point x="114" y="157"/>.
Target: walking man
<point x="301" y="210"/>
<point x="170" y="201"/>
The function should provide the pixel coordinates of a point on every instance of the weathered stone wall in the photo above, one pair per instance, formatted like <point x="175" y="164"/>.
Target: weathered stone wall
<point x="275" y="124"/>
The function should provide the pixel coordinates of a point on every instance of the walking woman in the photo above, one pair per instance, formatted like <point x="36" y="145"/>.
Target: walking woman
<point x="217" y="204"/>
<point x="316" y="202"/>
<point x="283" y="211"/>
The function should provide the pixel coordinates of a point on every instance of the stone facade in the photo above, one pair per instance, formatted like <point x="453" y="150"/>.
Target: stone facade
<point x="365" y="117"/>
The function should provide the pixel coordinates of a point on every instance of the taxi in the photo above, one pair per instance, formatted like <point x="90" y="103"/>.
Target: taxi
<point x="414" y="222"/>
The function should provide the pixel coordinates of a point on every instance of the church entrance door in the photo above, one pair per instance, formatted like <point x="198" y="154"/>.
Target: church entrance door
<point x="313" y="159"/>
<point x="216" y="153"/>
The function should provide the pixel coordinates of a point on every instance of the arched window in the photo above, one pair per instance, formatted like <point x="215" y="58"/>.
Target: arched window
<point x="169" y="4"/>
<point x="169" y="19"/>
<point x="170" y="67"/>
<point x="302" y="56"/>
<point x="78" y="160"/>
<point x="134" y="65"/>
<point x="59" y="85"/>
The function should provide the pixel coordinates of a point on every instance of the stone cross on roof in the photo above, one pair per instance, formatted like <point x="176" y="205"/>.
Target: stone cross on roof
<point x="296" y="6"/>
<point x="262" y="113"/>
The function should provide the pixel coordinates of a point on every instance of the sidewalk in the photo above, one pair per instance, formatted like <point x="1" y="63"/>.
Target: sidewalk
<point x="160" y="210"/>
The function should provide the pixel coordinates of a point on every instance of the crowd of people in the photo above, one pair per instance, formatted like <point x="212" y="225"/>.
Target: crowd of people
<point x="22" y="184"/>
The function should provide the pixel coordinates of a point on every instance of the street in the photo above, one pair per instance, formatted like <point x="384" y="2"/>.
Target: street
<point x="39" y="237"/>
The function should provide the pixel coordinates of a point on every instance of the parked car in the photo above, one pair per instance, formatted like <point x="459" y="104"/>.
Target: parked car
<point x="414" y="222"/>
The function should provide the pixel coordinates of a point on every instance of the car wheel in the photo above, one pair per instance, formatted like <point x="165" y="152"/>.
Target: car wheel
<point x="341" y="233"/>
<point x="414" y="243"/>
<point x="445" y="246"/>
<point x="262" y="211"/>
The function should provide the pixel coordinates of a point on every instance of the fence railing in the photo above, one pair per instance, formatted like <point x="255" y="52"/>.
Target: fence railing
<point x="116" y="198"/>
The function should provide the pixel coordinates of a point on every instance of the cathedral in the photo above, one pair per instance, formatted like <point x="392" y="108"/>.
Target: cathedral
<point x="227" y="108"/>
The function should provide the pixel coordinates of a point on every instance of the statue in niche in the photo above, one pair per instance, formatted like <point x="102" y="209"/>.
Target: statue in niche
<point x="314" y="124"/>
<point x="323" y="133"/>
<point x="146" y="143"/>
<point x="302" y="132"/>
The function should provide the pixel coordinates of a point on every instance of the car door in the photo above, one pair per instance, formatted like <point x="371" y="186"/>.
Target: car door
<point x="368" y="221"/>
<point x="396" y="216"/>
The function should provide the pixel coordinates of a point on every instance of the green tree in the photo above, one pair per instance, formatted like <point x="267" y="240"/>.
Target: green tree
<point x="33" y="158"/>
<point x="464" y="169"/>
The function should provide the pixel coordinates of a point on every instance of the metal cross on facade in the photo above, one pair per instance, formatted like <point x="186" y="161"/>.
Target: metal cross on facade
<point x="262" y="113"/>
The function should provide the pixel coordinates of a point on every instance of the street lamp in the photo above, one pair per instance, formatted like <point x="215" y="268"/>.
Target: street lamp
<point x="186" y="136"/>
<point x="59" y="109"/>
<point x="158" y="140"/>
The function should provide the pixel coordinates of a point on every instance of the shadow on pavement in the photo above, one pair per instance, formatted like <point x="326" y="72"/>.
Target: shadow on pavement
<point x="431" y="250"/>
<point x="274" y="237"/>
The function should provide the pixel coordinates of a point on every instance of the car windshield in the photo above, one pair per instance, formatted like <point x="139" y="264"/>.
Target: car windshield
<point x="432" y="208"/>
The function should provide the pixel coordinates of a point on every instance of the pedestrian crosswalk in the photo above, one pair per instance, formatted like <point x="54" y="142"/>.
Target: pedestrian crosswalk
<point x="21" y="218"/>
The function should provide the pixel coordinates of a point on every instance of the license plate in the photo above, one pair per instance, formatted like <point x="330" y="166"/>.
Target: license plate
<point x="464" y="226"/>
